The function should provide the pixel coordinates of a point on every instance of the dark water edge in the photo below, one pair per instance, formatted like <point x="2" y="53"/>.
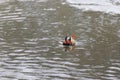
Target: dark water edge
<point x="30" y="36"/>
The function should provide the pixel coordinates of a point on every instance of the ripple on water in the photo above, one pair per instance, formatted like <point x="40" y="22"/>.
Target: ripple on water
<point x="112" y="72"/>
<point x="8" y="15"/>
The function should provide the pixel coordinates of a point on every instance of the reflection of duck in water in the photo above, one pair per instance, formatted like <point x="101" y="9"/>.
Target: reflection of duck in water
<point x="69" y="48"/>
<point x="69" y="41"/>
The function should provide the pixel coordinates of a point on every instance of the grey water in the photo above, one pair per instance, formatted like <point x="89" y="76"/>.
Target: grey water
<point x="31" y="32"/>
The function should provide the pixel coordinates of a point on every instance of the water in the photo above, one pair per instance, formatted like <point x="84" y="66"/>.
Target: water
<point x="31" y="32"/>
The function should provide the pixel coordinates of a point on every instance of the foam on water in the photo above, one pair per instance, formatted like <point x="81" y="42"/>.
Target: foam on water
<point x="107" y="6"/>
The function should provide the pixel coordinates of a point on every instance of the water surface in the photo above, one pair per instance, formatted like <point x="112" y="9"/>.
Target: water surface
<point x="31" y="32"/>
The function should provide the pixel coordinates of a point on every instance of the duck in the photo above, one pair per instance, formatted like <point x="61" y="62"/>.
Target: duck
<point x="70" y="40"/>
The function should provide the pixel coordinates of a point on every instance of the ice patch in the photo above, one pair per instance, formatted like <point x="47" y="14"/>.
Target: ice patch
<point x="107" y="6"/>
